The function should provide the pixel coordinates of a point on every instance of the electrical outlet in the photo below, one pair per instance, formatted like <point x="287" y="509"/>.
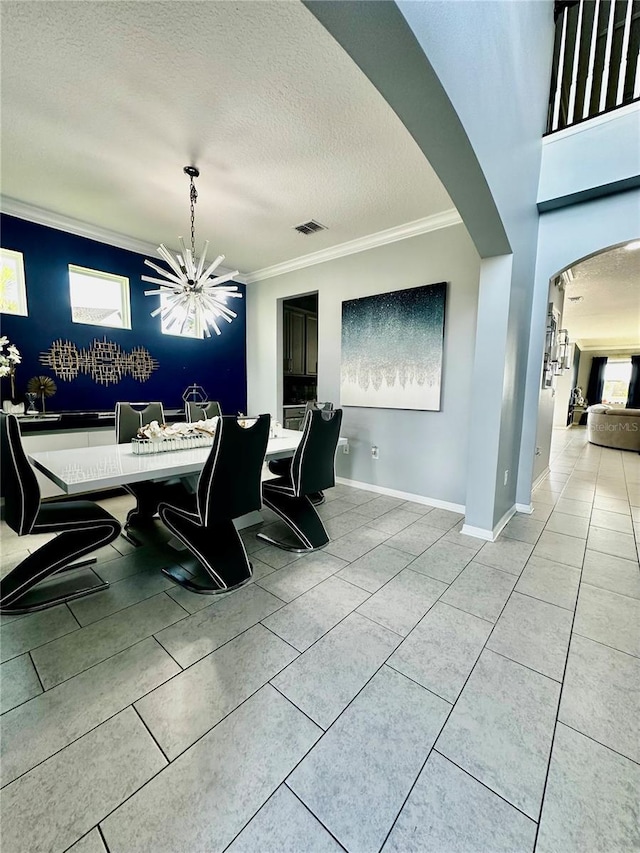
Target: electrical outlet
<point x="375" y="453"/>
<point x="506" y="476"/>
<point x="346" y="449"/>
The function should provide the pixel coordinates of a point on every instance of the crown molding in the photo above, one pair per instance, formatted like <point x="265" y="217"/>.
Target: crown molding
<point x="391" y="235"/>
<point x="41" y="216"/>
<point x="605" y="347"/>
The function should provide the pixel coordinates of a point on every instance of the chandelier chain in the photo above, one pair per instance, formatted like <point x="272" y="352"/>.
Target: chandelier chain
<point x="193" y="197"/>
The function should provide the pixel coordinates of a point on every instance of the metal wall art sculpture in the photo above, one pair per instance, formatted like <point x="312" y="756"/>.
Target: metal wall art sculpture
<point x="104" y="361"/>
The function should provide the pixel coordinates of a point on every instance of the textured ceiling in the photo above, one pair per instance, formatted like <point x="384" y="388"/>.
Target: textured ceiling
<point x="609" y="314"/>
<point x="103" y="103"/>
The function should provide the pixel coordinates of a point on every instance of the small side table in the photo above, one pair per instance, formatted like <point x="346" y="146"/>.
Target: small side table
<point x="577" y="414"/>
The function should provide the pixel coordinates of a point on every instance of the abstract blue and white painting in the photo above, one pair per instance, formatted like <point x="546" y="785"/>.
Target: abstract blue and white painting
<point x="392" y="347"/>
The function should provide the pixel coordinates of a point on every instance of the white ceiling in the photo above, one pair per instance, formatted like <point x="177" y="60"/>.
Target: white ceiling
<point x="103" y="103"/>
<point x="609" y="315"/>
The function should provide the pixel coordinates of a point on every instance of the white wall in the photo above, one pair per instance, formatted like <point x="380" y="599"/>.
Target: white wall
<point x="561" y="399"/>
<point x="494" y="61"/>
<point x="422" y="453"/>
<point x="584" y="369"/>
<point x="566" y="235"/>
<point x="470" y="81"/>
<point x="547" y="398"/>
<point x="605" y="150"/>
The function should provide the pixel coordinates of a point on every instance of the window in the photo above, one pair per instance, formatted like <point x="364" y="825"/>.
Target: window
<point x="99" y="298"/>
<point x="13" y="294"/>
<point x="171" y="327"/>
<point x="617" y="375"/>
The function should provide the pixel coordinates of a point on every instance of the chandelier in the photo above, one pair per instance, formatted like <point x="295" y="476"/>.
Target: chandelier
<point x="191" y="297"/>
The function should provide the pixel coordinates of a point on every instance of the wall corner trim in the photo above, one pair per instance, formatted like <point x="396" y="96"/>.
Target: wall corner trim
<point x="589" y="194"/>
<point x="445" y="219"/>
<point x="486" y="534"/>
<point x="407" y="496"/>
<point x="526" y="508"/>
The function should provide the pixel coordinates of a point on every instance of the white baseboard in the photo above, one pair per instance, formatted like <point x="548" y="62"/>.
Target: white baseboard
<point x="527" y="508"/>
<point x="478" y="532"/>
<point x="406" y="496"/>
<point x="539" y="479"/>
<point x="485" y="533"/>
<point x="506" y="518"/>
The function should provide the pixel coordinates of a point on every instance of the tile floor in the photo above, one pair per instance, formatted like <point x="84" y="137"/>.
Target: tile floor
<point x="406" y="689"/>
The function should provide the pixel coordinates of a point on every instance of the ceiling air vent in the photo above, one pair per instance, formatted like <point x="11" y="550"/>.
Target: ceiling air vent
<point x="310" y="227"/>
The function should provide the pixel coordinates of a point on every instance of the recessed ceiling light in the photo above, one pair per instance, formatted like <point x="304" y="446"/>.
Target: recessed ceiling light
<point x="576" y="298"/>
<point x="631" y="247"/>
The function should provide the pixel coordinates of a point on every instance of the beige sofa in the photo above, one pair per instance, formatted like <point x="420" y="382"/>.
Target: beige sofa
<point x="613" y="426"/>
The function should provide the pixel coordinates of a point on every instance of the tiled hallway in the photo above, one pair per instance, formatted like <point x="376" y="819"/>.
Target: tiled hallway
<point x="407" y="689"/>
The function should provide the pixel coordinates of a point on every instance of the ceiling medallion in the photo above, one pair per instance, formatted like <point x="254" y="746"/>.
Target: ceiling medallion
<point x="192" y="298"/>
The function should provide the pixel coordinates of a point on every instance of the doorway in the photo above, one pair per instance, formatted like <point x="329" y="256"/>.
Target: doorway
<point x="299" y="357"/>
<point x="597" y="300"/>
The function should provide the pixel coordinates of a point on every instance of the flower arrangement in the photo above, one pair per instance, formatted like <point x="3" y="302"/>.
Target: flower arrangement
<point x="43" y="386"/>
<point x="160" y="432"/>
<point x="8" y="361"/>
<point x="158" y="438"/>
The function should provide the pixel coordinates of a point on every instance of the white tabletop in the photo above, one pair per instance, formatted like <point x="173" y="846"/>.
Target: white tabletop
<point x="87" y="469"/>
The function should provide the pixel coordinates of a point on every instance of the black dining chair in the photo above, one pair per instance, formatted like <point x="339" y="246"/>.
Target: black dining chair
<point x="129" y="418"/>
<point x="312" y="469"/>
<point x="280" y="467"/>
<point x="312" y="405"/>
<point x="202" y="411"/>
<point x="82" y="527"/>
<point x="228" y="487"/>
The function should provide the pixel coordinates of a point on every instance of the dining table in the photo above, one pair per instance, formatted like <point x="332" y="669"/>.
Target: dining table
<point x="99" y="468"/>
<point x="92" y="469"/>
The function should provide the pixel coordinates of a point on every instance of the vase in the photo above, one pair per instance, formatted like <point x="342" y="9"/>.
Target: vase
<point x="12" y="408"/>
<point x="31" y="399"/>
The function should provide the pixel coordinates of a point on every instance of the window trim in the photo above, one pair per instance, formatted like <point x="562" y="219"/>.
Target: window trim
<point x="18" y="257"/>
<point x="125" y="290"/>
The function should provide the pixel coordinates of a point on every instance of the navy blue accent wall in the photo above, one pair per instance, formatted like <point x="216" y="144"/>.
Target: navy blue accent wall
<point x="217" y="363"/>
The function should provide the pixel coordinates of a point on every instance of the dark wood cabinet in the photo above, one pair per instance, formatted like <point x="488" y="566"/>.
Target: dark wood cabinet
<point x="312" y="345"/>
<point x="293" y="417"/>
<point x="298" y="337"/>
<point x="300" y="343"/>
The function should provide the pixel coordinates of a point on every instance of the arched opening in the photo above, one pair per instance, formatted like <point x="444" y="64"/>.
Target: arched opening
<point x="591" y="352"/>
<point x="566" y="237"/>
<point x="371" y="33"/>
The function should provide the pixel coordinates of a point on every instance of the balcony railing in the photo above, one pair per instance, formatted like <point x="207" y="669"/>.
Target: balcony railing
<point x="595" y="59"/>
